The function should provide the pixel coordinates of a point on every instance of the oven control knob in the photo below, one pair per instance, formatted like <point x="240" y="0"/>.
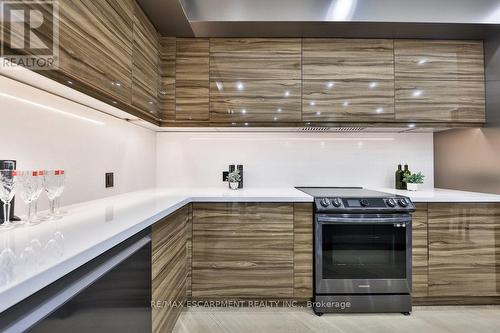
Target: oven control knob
<point x="391" y="202"/>
<point x="336" y="202"/>
<point x="325" y="202"/>
<point x="402" y="202"/>
<point x="364" y="202"/>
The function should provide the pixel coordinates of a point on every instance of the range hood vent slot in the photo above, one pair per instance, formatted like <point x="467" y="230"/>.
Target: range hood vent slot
<point x="332" y="129"/>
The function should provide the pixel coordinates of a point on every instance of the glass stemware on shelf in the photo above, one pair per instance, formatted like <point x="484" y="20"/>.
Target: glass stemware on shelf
<point x="30" y="187"/>
<point x="61" y="182"/>
<point x="51" y="183"/>
<point x="8" y="187"/>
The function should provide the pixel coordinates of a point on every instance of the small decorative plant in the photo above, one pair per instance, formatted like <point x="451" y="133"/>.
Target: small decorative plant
<point x="413" y="180"/>
<point x="234" y="178"/>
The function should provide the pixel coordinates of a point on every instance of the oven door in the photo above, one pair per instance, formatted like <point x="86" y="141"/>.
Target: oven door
<point x="362" y="254"/>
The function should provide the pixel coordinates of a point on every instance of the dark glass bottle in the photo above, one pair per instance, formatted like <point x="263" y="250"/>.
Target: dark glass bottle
<point x="406" y="172"/>
<point x="399" y="178"/>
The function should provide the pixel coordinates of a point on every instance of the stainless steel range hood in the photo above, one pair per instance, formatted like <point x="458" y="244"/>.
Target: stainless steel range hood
<point x="447" y="19"/>
<point x="416" y="11"/>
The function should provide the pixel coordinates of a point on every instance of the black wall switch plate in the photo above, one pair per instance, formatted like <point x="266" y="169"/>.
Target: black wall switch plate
<point x="110" y="181"/>
<point x="225" y="174"/>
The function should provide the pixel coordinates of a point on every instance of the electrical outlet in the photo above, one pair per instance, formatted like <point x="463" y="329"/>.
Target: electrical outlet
<point x="110" y="181"/>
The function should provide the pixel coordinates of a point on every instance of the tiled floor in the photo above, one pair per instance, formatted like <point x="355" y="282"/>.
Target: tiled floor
<point x="450" y="319"/>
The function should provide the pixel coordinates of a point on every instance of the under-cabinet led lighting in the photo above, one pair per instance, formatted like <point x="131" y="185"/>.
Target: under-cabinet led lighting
<point x="49" y="108"/>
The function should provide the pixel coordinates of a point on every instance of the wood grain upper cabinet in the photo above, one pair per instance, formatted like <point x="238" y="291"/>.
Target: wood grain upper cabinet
<point x="167" y="79"/>
<point x="145" y="70"/>
<point x="255" y="79"/>
<point x="242" y="250"/>
<point x="96" y="44"/>
<point x="169" y="268"/>
<point x="464" y="249"/>
<point x="348" y="80"/>
<point x="420" y="248"/>
<point x="192" y="79"/>
<point x="440" y="81"/>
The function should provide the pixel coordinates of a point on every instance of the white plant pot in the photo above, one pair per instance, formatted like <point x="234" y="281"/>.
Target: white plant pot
<point x="412" y="187"/>
<point x="233" y="185"/>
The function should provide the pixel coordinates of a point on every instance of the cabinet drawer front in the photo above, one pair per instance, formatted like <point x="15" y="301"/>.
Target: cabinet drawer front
<point x="439" y="60"/>
<point x="452" y="101"/>
<point x="242" y="250"/>
<point x="348" y="100"/>
<point x="463" y="249"/>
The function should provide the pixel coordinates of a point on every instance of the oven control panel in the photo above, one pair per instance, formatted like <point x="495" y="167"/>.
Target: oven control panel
<point x="392" y="204"/>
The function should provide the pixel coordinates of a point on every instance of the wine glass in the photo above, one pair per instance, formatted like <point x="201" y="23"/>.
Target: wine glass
<point x="37" y="195"/>
<point x="8" y="187"/>
<point x="51" y="185"/>
<point x="29" y="184"/>
<point x="61" y="182"/>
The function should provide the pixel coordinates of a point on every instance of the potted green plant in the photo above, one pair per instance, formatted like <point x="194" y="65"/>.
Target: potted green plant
<point x="234" y="179"/>
<point x="413" y="180"/>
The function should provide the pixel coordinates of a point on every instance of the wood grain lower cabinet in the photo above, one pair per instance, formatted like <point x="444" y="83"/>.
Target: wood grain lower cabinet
<point x="169" y="268"/>
<point x="420" y="256"/>
<point x="303" y="250"/>
<point x="464" y="249"/>
<point x="243" y="250"/>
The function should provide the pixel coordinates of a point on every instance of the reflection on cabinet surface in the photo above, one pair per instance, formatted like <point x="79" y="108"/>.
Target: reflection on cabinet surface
<point x="441" y="101"/>
<point x="464" y="249"/>
<point x="439" y="81"/>
<point x="145" y="68"/>
<point x="348" y="79"/>
<point x="255" y="79"/>
<point x="348" y="100"/>
<point x="242" y="250"/>
<point x="96" y="44"/>
<point x="169" y="268"/>
<point x="255" y="100"/>
<point x="420" y="257"/>
<point x="439" y="60"/>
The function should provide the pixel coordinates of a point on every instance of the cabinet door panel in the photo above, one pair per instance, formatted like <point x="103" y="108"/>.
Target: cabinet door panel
<point x="464" y="251"/>
<point x="254" y="58"/>
<point x="242" y="250"/>
<point x="439" y="60"/>
<point x="146" y="64"/>
<point x="348" y="100"/>
<point x="452" y="101"/>
<point x="420" y="248"/>
<point x="95" y="44"/>
<point x="169" y="268"/>
<point x="255" y="100"/>
<point x="167" y="78"/>
<point x="192" y="79"/>
<point x="347" y="59"/>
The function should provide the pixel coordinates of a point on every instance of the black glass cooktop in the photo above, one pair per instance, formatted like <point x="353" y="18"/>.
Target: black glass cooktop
<point x="343" y="192"/>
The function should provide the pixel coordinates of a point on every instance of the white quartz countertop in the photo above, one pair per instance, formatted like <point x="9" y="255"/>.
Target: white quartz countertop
<point x="443" y="195"/>
<point x="43" y="253"/>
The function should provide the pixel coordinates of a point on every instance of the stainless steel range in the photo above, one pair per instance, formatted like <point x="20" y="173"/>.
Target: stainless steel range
<point x="362" y="251"/>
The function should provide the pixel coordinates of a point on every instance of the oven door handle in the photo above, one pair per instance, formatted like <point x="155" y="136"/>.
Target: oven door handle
<point x="364" y="220"/>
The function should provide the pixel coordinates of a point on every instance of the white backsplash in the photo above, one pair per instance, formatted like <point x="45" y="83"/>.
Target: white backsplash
<point x="43" y="131"/>
<point x="291" y="159"/>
